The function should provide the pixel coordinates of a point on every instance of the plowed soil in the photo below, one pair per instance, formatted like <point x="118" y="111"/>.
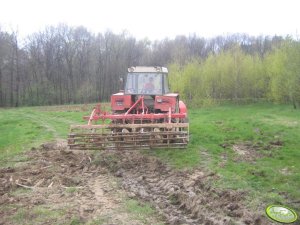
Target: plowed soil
<point x="88" y="185"/>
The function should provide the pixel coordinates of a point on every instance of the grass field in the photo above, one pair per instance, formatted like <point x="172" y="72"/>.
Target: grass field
<point x="23" y="128"/>
<point x="254" y="148"/>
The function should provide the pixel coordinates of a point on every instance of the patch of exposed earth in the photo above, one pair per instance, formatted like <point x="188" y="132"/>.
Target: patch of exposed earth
<point x="92" y="187"/>
<point x="58" y="186"/>
<point x="181" y="197"/>
<point x="249" y="151"/>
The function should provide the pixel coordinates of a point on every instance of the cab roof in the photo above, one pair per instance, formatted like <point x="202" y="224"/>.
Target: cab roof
<point x="147" y="69"/>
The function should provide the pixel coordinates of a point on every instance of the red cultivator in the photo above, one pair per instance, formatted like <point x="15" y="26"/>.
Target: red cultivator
<point x="143" y="116"/>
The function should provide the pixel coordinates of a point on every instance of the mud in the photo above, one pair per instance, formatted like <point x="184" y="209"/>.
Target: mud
<point x="181" y="197"/>
<point x="57" y="186"/>
<point x="249" y="151"/>
<point x="88" y="186"/>
<point x="246" y="152"/>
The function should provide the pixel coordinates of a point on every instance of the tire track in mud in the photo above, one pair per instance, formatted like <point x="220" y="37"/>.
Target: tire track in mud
<point x="101" y="200"/>
<point x="181" y="197"/>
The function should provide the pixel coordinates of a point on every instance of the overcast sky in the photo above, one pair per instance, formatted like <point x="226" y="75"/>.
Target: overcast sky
<point x="155" y="19"/>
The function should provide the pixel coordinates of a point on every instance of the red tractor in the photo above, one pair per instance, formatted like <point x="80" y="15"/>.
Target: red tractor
<point x="145" y="115"/>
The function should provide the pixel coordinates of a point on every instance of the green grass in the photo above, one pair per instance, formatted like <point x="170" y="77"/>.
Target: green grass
<point x="99" y="221"/>
<point x="267" y="179"/>
<point x="142" y="212"/>
<point x="37" y="215"/>
<point x="71" y="189"/>
<point x="23" y="128"/>
<point x="21" y="192"/>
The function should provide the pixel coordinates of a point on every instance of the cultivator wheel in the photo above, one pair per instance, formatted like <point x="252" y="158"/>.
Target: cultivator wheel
<point x="128" y="136"/>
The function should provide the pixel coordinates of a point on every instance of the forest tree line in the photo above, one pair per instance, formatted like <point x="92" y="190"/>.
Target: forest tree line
<point x="237" y="75"/>
<point x="64" y="64"/>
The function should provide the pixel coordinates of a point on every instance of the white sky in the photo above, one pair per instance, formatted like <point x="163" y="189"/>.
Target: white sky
<point x="155" y="19"/>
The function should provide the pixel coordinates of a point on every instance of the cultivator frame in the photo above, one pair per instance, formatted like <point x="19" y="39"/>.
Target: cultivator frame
<point x="102" y="138"/>
<point x="130" y="131"/>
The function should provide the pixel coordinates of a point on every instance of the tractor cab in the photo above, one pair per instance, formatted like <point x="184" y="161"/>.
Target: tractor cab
<point x="147" y="81"/>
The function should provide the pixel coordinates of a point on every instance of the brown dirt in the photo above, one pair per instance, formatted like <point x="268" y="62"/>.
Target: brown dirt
<point x="67" y="186"/>
<point x="249" y="151"/>
<point x="246" y="152"/>
<point x="181" y="197"/>
<point x="86" y="186"/>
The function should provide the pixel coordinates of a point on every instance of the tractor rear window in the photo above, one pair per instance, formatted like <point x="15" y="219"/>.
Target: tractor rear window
<point x="144" y="84"/>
